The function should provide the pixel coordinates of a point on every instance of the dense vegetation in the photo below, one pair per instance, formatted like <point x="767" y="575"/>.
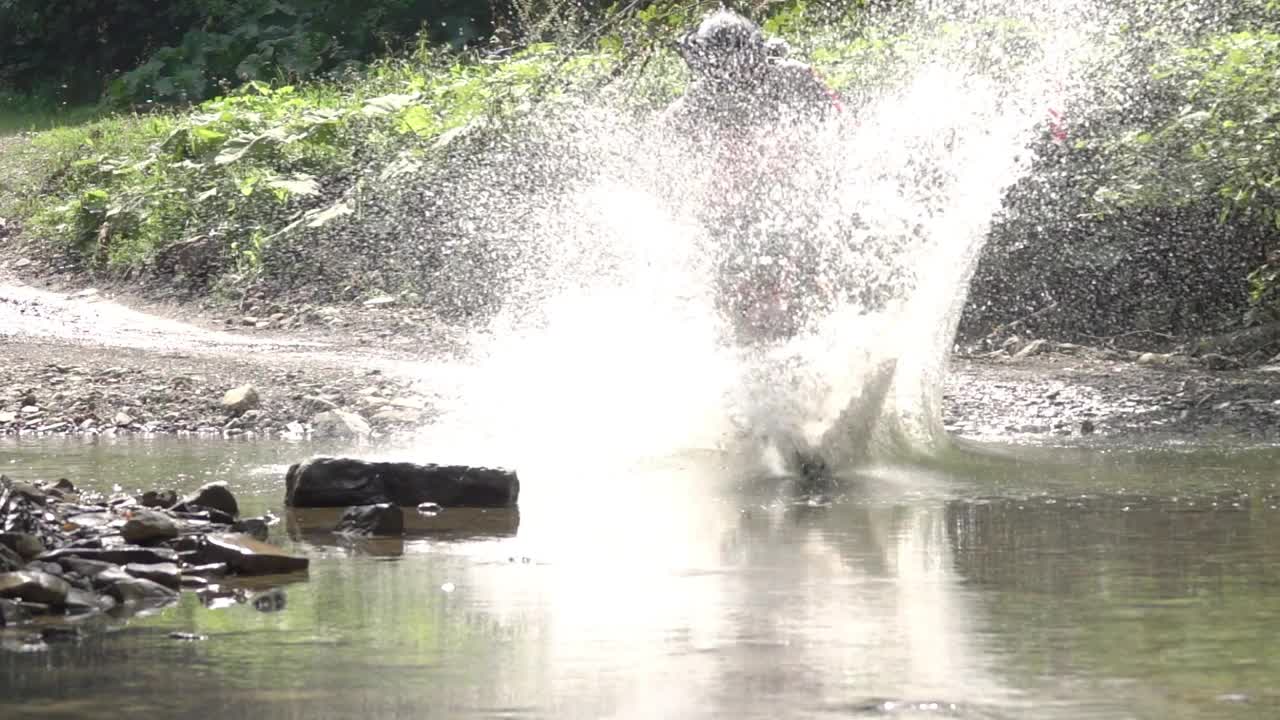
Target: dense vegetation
<point x="252" y="141"/>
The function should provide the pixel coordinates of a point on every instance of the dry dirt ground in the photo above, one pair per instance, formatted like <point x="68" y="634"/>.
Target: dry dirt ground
<point x="75" y="361"/>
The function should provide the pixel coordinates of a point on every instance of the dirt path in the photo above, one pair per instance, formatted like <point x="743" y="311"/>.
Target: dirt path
<point x="77" y="361"/>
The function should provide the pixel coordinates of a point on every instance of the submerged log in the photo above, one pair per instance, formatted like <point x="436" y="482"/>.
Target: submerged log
<point x="340" y="482"/>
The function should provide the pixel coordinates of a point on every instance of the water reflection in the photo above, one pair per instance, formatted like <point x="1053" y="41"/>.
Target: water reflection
<point x="674" y="589"/>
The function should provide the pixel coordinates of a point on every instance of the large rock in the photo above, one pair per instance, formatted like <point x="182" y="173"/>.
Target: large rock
<point x="214" y="496"/>
<point x="147" y="526"/>
<point x="340" y="424"/>
<point x="248" y="556"/>
<point x="339" y="482"/>
<point x="381" y="519"/>
<point x="121" y="555"/>
<point x="34" y="586"/>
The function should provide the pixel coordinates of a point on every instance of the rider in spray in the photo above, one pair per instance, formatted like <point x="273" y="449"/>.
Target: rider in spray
<point x="749" y="111"/>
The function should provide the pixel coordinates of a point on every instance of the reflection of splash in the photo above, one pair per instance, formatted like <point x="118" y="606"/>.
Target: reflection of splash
<point x="697" y="601"/>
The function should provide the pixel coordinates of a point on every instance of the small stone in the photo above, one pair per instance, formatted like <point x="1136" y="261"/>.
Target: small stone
<point x="1087" y="427"/>
<point x="26" y="545"/>
<point x="315" y="404"/>
<point x="89" y="569"/>
<point x="64" y="485"/>
<point x="396" y="416"/>
<point x="7" y="417"/>
<point x="117" y="555"/>
<point x="10" y="560"/>
<point x="380" y="519"/>
<point x="214" y="496"/>
<point x="34" y="586"/>
<point x="129" y="590"/>
<point x="248" y="556"/>
<point x="253" y="527"/>
<point x="158" y="499"/>
<point x="1035" y="347"/>
<point x="340" y="424"/>
<point x="166" y="574"/>
<point x="147" y="527"/>
<point x="239" y="399"/>
<point x="186" y="636"/>
<point x="123" y="419"/>
<point x="379" y="301"/>
<point x="13" y="613"/>
<point x="80" y="601"/>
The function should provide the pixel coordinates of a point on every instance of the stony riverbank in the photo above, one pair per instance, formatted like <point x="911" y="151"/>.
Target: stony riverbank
<point x="71" y="560"/>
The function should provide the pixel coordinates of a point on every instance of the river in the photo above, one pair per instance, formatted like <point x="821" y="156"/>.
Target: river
<point x="1003" y="582"/>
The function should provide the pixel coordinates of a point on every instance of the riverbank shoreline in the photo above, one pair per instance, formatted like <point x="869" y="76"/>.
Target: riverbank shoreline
<point x="79" y="360"/>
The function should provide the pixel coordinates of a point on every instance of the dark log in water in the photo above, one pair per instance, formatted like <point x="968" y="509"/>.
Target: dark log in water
<point x="341" y="482"/>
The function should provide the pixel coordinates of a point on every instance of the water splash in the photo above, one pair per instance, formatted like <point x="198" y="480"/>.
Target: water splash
<point x="610" y="343"/>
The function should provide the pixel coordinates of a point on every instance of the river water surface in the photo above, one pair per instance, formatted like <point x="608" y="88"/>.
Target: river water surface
<point x="1001" y="583"/>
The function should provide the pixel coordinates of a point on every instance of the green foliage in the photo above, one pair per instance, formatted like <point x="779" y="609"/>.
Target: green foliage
<point x="272" y="164"/>
<point x="140" y="51"/>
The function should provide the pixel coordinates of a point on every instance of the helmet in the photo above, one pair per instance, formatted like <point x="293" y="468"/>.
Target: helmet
<point x="724" y="42"/>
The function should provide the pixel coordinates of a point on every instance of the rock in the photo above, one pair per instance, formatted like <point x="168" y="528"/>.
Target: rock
<point x="253" y="527"/>
<point x="341" y="482"/>
<point x="10" y="560"/>
<point x="214" y="496"/>
<point x="1150" y="358"/>
<point x="1214" y="361"/>
<point x="429" y="509"/>
<point x="1087" y="427"/>
<point x="29" y="492"/>
<point x="89" y="569"/>
<point x="64" y="486"/>
<point x="1035" y="347"/>
<point x="314" y="405"/>
<point x="379" y="301"/>
<point x="120" y="555"/>
<point x="247" y="556"/>
<point x="340" y="424"/>
<point x="396" y="416"/>
<point x="158" y="499"/>
<point x="80" y="601"/>
<point x="12" y="613"/>
<point x="186" y="636"/>
<point x="381" y="519"/>
<point x="7" y="417"/>
<point x="166" y="574"/>
<point x="147" y="527"/>
<point x="123" y="419"/>
<point x="215" y="570"/>
<point x="34" y="586"/>
<point x="273" y="600"/>
<point x="239" y="399"/>
<point x="27" y="546"/>
<point x="130" y="590"/>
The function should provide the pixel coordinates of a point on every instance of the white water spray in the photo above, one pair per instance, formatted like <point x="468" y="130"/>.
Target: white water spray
<point x="612" y="348"/>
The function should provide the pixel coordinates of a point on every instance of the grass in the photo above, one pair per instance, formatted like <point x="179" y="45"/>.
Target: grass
<point x="22" y="113"/>
<point x="262" y="176"/>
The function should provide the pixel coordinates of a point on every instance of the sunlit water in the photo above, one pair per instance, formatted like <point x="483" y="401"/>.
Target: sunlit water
<point x="1024" y="584"/>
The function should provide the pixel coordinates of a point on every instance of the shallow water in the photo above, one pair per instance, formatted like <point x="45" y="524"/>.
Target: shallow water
<point x="1002" y="583"/>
